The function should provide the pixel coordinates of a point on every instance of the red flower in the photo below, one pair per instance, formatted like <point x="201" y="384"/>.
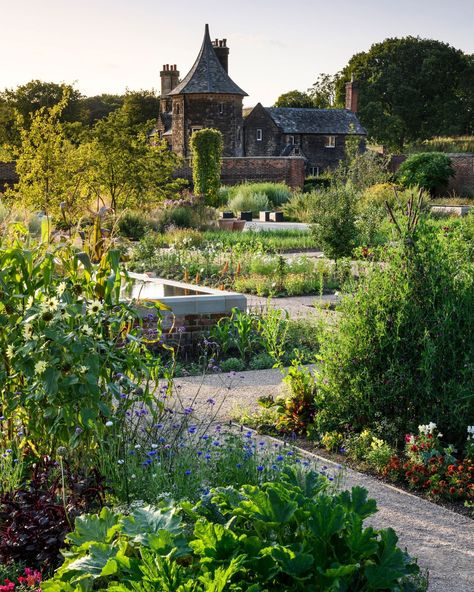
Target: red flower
<point x="452" y="490"/>
<point x="9" y="586"/>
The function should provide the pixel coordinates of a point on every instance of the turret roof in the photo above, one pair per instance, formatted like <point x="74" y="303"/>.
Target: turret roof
<point x="207" y="74"/>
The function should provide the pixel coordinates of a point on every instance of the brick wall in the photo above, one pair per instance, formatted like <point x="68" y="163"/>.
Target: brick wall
<point x="280" y="169"/>
<point x="189" y="330"/>
<point x="463" y="164"/>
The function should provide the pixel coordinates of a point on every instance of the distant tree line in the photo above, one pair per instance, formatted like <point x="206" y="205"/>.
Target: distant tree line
<point x="410" y="90"/>
<point x="77" y="114"/>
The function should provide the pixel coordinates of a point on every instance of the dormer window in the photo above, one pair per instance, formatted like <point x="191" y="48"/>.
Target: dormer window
<point x="330" y="142"/>
<point x="259" y="135"/>
<point x="291" y="139"/>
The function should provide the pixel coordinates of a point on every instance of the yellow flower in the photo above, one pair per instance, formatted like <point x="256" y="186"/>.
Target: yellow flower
<point x="10" y="351"/>
<point x="40" y="367"/>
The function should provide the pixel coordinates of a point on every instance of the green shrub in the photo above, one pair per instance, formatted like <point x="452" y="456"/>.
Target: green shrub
<point x="288" y="536"/>
<point x="132" y="225"/>
<point x="320" y="182"/>
<point x="428" y="170"/>
<point x="298" y="207"/>
<point x="244" y="201"/>
<point x="178" y="217"/>
<point x="333" y="216"/>
<point x="403" y="348"/>
<point x="206" y="147"/>
<point x="261" y="362"/>
<point x="232" y="365"/>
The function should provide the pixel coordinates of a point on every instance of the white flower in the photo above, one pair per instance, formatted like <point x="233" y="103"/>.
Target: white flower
<point x="60" y="289"/>
<point x="470" y="429"/>
<point x="120" y="461"/>
<point x="27" y="332"/>
<point x="29" y="302"/>
<point x="82" y="369"/>
<point x="133" y="476"/>
<point x="10" y="351"/>
<point x="109" y="424"/>
<point x="63" y="313"/>
<point x="154" y="445"/>
<point x="87" y="330"/>
<point x="137" y="446"/>
<point x="40" y="367"/>
<point x="94" y="307"/>
<point x="50" y="304"/>
<point x="427" y="429"/>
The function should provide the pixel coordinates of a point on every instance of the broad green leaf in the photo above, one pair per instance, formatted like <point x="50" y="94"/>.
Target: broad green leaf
<point x="147" y="520"/>
<point x="90" y="528"/>
<point x="391" y="563"/>
<point x="326" y="518"/>
<point x="356" y="501"/>
<point x="214" y="541"/>
<point x="98" y="560"/>
<point x="295" y="563"/>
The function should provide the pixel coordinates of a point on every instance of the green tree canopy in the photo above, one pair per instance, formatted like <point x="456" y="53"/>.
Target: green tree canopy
<point x="411" y="89"/>
<point x="97" y="107"/>
<point x="429" y="170"/>
<point x="141" y="106"/>
<point x="47" y="163"/>
<point x="294" y="98"/>
<point x="323" y="92"/>
<point x="122" y="168"/>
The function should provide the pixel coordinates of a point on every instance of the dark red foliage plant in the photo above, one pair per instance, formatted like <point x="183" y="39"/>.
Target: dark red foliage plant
<point x="34" y="520"/>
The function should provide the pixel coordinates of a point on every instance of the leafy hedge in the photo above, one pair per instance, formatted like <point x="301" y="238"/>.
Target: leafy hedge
<point x="279" y="536"/>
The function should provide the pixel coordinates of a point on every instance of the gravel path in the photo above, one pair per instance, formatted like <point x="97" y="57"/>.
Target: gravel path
<point x="443" y="541"/>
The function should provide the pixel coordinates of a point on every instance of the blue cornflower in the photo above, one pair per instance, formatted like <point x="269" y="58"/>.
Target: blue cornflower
<point x="238" y="465"/>
<point x="208" y="456"/>
<point x="151" y="453"/>
<point x="260" y="468"/>
<point x="199" y="452"/>
<point x="146" y="462"/>
<point x="290" y="453"/>
<point x="279" y="457"/>
<point x="187" y="472"/>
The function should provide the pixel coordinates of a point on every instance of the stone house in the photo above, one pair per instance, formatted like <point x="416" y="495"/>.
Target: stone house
<point x="208" y="97"/>
<point x="319" y="135"/>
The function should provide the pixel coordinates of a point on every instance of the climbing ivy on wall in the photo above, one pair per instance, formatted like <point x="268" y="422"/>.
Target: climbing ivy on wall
<point x="206" y="147"/>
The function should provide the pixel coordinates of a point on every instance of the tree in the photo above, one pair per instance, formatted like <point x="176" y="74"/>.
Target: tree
<point x="50" y="175"/>
<point x="29" y="98"/>
<point x="323" y="92"/>
<point x="411" y="89"/>
<point x="94" y="108"/>
<point x="428" y="170"/>
<point x="141" y="106"/>
<point x="123" y="168"/>
<point x="294" y="98"/>
<point x="206" y="147"/>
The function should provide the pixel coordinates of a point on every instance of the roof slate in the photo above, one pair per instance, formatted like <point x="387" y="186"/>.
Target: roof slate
<point x="207" y="74"/>
<point x="8" y="171"/>
<point x="315" y="121"/>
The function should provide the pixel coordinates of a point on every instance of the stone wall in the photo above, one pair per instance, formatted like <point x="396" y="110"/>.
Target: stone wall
<point x="218" y="111"/>
<point x="281" y="169"/>
<point x="190" y="329"/>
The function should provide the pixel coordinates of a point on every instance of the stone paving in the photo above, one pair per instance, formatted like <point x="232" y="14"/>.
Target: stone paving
<point x="442" y="540"/>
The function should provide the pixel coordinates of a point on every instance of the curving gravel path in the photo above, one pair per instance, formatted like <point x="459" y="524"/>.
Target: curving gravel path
<point x="442" y="540"/>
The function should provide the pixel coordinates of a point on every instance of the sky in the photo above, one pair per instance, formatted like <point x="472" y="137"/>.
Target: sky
<point x="108" y="46"/>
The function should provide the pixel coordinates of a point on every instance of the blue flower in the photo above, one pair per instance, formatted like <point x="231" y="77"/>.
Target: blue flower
<point x="260" y="468"/>
<point x="187" y="472"/>
<point x="279" y="457"/>
<point x="208" y="456"/>
<point x="238" y="465"/>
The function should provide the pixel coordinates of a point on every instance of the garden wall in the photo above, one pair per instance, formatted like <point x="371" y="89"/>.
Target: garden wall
<point x="189" y="330"/>
<point x="463" y="163"/>
<point x="278" y="169"/>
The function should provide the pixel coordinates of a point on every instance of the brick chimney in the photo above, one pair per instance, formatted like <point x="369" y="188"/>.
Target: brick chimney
<point x="352" y="95"/>
<point x="222" y="52"/>
<point x="169" y="79"/>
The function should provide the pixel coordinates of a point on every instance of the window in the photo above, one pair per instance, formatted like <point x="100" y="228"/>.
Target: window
<point x="176" y="108"/>
<point x="314" y="171"/>
<point x="291" y="139"/>
<point x="221" y="108"/>
<point x="296" y="151"/>
<point x="330" y="142"/>
<point x="259" y="135"/>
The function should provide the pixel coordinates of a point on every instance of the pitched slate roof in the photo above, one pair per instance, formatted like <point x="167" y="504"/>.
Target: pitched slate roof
<point x="8" y="171"/>
<point x="315" y="121"/>
<point x="207" y="75"/>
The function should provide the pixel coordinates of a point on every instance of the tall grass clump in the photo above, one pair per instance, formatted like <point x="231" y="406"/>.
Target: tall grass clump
<point x="247" y="201"/>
